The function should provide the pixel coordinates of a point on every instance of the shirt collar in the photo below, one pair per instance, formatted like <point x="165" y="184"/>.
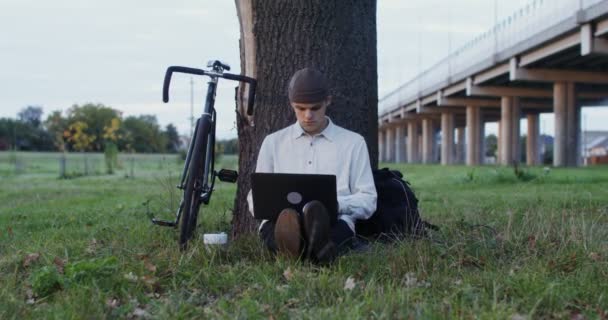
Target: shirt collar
<point x="329" y="132"/>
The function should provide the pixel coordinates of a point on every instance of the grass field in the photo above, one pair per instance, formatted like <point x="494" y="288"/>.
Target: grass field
<point x="515" y="248"/>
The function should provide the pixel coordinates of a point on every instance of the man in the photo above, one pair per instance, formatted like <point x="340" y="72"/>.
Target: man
<point x="315" y="145"/>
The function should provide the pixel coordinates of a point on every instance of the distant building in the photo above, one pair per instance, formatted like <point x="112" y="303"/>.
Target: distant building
<point x="595" y="147"/>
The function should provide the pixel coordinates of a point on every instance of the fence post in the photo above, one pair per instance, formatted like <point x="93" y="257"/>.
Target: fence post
<point x="86" y="164"/>
<point x="18" y="166"/>
<point x="62" y="165"/>
<point x="132" y="166"/>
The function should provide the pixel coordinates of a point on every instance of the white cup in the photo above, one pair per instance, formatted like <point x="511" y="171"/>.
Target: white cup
<point x="215" y="238"/>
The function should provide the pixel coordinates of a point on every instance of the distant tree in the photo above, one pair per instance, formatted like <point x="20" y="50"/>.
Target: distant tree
<point x="55" y="125"/>
<point x="79" y="138"/>
<point x="230" y="146"/>
<point x="142" y="134"/>
<point x="491" y="145"/>
<point x="19" y="135"/>
<point x="31" y="115"/>
<point x="172" y="138"/>
<point x="547" y="156"/>
<point x="110" y="149"/>
<point x="97" y="117"/>
<point x="7" y="133"/>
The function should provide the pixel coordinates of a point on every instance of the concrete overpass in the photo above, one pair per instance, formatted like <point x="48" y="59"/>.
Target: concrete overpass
<point x="551" y="56"/>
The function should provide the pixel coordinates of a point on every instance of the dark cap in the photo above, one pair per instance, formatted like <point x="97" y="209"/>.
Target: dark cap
<point x="308" y="85"/>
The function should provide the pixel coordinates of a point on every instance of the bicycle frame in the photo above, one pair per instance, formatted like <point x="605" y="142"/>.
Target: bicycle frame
<point x="209" y="173"/>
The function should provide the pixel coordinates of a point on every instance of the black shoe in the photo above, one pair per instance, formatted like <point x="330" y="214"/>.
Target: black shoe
<point x="316" y="229"/>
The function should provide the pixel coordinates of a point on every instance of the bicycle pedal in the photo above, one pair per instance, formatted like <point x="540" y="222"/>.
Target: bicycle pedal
<point x="164" y="223"/>
<point x="226" y="175"/>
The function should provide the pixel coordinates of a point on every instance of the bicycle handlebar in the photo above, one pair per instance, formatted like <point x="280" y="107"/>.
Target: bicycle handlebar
<point x="229" y="76"/>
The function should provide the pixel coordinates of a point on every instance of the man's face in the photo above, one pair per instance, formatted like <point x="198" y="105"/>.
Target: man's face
<point x="311" y="116"/>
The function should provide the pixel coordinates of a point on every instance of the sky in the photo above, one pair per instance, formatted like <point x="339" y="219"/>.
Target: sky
<point x="64" y="52"/>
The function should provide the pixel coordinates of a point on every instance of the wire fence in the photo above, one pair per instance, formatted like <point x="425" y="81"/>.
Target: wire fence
<point x="69" y="165"/>
<point x="75" y="164"/>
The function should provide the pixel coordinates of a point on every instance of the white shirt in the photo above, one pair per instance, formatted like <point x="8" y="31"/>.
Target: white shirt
<point x="335" y="151"/>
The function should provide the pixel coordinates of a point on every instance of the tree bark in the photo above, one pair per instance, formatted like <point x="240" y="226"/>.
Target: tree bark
<point x="280" y="37"/>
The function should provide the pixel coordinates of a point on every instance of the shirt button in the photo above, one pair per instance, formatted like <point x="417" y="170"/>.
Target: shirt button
<point x="309" y="162"/>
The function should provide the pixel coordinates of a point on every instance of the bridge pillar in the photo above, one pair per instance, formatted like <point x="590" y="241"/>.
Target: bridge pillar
<point x="482" y="136"/>
<point x="509" y="125"/>
<point x="419" y="145"/>
<point x="447" y="137"/>
<point x="532" y="147"/>
<point x="381" y="142"/>
<point x="460" y="145"/>
<point x="566" y="147"/>
<point x="498" y="142"/>
<point x="389" y="146"/>
<point x="400" y="143"/>
<point x="412" y="142"/>
<point x="428" y="140"/>
<point x="474" y="136"/>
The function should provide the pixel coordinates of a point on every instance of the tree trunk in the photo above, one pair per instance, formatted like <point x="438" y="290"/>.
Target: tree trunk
<point x="280" y="37"/>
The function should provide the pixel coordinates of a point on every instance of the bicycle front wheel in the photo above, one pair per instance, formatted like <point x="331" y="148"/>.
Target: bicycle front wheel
<point x="194" y="183"/>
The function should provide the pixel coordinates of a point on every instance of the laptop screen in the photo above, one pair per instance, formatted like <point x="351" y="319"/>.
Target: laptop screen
<point x="273" y="192"/>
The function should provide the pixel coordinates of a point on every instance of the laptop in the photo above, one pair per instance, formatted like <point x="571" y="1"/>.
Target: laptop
<point x="273" y="192"/>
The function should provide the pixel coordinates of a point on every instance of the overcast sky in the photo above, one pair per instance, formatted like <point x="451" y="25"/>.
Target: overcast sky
<point x="64" y="52"/>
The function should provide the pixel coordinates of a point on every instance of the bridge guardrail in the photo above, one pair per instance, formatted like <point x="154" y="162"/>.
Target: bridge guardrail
<point x="533" y="19"/>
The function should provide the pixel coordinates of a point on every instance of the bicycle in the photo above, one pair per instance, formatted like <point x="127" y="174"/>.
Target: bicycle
<point x="198" y="176"/>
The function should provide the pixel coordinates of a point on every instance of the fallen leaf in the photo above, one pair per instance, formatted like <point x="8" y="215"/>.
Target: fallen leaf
<point x="410" y="280"/>
<point x="140" y="313"/>
<point x="149" y="266"/>
<point x="292" y="302"/>
<point x="112" y="303"/>
<point x="131" y="277"/>
<point x="59" y="264"/>
<point x="288" y="274"/>
<point x="30" y="258"/>
<point x="282" y="288"/>
<point x="531" y="242"/>
<point x="142" y="256"/>
<point x="349" y="284"/>
<point x="576" y="315"/>
<point x="471" y="262"/>
<point x="150" y="281"/>
<point x="92" y="246"/>
<point x="518" y="317"/>
<point x="595" y="256"/>
<point x="29" y="293"/>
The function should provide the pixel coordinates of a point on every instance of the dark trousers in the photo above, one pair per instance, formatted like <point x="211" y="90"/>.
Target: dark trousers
<point x="340" y="234"/>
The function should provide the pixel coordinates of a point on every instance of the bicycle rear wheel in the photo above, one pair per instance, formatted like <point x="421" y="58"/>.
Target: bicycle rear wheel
<point x="194" y="183"/>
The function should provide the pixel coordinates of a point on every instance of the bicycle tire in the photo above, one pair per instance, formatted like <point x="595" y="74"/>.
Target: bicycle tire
<point x="193" y="188"/>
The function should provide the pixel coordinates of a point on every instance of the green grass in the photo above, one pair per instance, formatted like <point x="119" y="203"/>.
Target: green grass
<point x="535" y="246"/>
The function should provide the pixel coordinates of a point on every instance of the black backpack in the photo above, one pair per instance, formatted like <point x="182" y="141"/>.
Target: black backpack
<point x="397" y="213"/>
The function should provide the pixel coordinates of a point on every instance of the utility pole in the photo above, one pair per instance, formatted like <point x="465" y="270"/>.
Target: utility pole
<point x="15" y="135"/>
<point x="495" y="28"/>
<point x="191" y="108"/>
